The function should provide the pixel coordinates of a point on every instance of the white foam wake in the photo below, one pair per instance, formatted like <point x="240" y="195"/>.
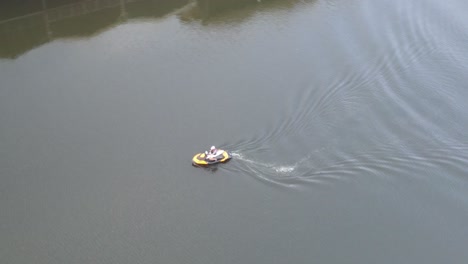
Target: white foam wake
<point x="284" y="169"/>
<point x="277" y="168"/>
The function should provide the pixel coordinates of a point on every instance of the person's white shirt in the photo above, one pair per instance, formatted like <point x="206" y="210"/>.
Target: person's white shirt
<point x="212" y="153"/>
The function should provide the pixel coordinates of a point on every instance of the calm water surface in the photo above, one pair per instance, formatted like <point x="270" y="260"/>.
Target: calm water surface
<point x="347" y="121"/>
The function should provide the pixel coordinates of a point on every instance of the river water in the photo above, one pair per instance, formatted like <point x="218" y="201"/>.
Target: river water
<point x="346" y="119"/>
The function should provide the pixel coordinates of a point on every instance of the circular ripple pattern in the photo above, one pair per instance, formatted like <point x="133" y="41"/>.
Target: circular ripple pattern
<point x="390" y="107"/>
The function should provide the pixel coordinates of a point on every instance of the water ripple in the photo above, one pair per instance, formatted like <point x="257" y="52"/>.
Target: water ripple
<point x="390" y="80"/>
<point x="387" y="162"/>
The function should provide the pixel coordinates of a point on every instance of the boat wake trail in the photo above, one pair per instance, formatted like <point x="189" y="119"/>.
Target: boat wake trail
<point x="284" y="175"/>
<point x="277" y="168"/>
<point x="385" y="161"/>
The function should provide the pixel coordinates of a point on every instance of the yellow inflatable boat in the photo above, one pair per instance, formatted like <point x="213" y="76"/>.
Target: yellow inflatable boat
<point x="205" y="159"/>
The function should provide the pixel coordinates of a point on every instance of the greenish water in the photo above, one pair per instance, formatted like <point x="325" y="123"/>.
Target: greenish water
<point x="347" y="121"/>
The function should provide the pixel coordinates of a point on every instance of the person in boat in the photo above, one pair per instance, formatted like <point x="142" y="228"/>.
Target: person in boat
<point x="213" y="150"/>
<point x="212" y="153"/>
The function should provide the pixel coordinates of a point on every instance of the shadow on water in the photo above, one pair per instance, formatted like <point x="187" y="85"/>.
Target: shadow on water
<point x="25" y="25"/>
<point x="210" y="11"/>
<point x="28" y="24"/>
<point x="212" y="168"/>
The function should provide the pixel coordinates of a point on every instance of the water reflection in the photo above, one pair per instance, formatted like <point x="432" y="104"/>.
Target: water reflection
<point x="29" y="24"/>
<point x="26" y="25"/>
<point x="207" y="10"/>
